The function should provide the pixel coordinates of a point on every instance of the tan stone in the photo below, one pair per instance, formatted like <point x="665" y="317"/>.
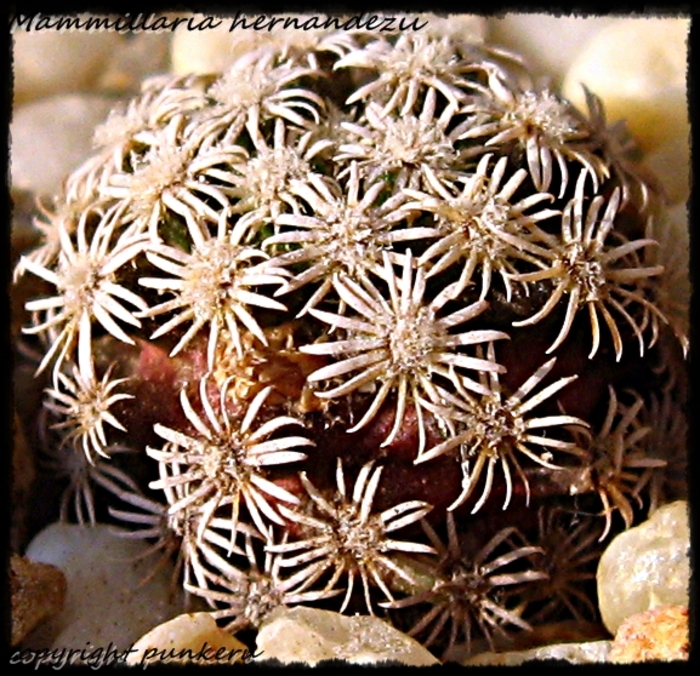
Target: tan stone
<point x="188" y="638"/>
<point x="38" y="592"/>
<point x="657" y="634"/>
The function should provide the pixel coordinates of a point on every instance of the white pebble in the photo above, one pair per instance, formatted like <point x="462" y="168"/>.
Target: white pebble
<point x="52" y="137"/>
<point x="190" y="637"/>
<point x="106" y="602"/>
<point x="646" y="567"/>
<point x="638" y="67"/>
<point x="310" y="635"/>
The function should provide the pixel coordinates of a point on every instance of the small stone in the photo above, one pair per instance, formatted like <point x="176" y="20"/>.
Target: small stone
<point x="107" y="601"/>
<point x="51" y="137"/>
<point x="576" y="653"/>
<point x="191" y="637"/>
<point x="646" y="567"/>
<point x="638" y="67"/>
<point x="310" y="635"/>
<point x="38" y="592"/>
<point x="658" y="634"/>
<point x="57" y="61"/>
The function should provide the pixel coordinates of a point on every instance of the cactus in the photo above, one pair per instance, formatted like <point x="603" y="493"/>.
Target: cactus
<point x="312" y="318"/>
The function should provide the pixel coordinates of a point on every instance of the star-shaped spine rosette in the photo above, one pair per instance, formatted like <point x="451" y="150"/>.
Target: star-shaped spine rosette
<point x="408" y="69"/>
<point x="263" y="176"/>
<point x="46" y="222"/>
<point x="178" y="175"/>
<point x="398" y="344"/>
<point x="175" y="534"/>
<point x="667" y="440"/>
<point x="472" y="590"/>
<point x="161" y="99"/>
<point x="343" y="534"/>
<point x="256" y="88"/>
<point x="619" y="466"/>
<point x="150" y="523"/>
<point x="82" y="403"/>
<point x="594" y="273"/>
<point x="546" y="126"/>
<point x="83" y="477"/>
<point x="480" y="226"/>
<point x="570" y="555"/>
<point x="245" y="595"/>
<point x="619" y="149"/>
<point x="214" y="285"/>
<point x="223" y="461"/>
<point x="66" y="460"/>
<point x="410" y="151"/>
<point x="84" y="275"/>
<point x="343" y="234"/>
<point x="490" y="430"/>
